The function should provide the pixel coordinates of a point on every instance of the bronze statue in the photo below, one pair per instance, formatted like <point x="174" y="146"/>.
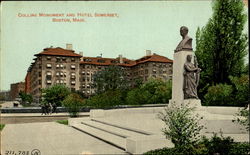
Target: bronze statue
<point x="191" y="78"/>
<point x="186" y="43"/>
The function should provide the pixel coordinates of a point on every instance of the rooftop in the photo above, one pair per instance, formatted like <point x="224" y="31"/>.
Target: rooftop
<point x="126" y="62"/>
<point x="58" y="51"/>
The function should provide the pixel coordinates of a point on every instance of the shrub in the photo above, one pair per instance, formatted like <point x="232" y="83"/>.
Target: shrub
<point x="157" y="91"/>
<point x="221" y="145"/>
<point x="219" y="95"/>
<point x="239" y="149"/>
<point x="181" y="126"/>
<point x="152" y="92"/>
<point x="241" y="93"/>
<point x="217" y="144"/>
<point x="73" y="103"/>
<point x="107" y="99"/>
<point x="242" y="117"/>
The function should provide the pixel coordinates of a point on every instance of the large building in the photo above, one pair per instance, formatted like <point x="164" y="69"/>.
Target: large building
<point x="64" y="66"/>
<point x="15" y="89"/>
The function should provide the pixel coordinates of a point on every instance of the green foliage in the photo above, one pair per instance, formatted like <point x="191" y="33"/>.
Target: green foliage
<point x="182" y="127"/>
<point x="65" y="122"/>
<point x="240" y="149"/>
<point x="73" y="103"/>
<point x="152" y="92"/>
<point x="2" y="126"/>
<point x="157" y="91"/>
<point x="242" y="117"/>
<point x="55" y="94"/>
<point x="221" y="44"/>
<point x="221" y="145"/>
<point x="217" y="144"/>
<point x="108" y="99"/>
<point x="111" y="78"/>
<point x="241" y="93"/>
<point x="136" y="96"/>
<point x="219" y="95"/>
<point x="26" y="98"/>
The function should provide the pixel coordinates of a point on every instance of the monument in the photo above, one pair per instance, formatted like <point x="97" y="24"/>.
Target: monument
<point x="186" y="73"/>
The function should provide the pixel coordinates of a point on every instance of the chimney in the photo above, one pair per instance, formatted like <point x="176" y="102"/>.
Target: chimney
<point x="69" y="46"/>
<point x="120" y="59"/>
<point x="148" y="52"/>
<point x="81" y="53"/>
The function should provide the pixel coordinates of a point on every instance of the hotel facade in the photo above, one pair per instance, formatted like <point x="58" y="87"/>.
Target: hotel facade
<point x="64" y="66"/>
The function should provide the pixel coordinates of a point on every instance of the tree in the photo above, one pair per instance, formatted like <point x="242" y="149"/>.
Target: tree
<point x="73" y="104"/>
<point x="111" y="78"/>
<point x="221" y="44"/>
<point x="107" y="99"/>
<point x="26" y="98"/>
<point x="152" y="92"/>
<point x="55" y="94"/>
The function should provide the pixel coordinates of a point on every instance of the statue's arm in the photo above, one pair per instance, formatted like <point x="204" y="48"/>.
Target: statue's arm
<point x="190" y="69"/>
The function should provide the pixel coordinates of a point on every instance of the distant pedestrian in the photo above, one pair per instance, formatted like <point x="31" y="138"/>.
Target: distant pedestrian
<point x="43" y="109"/>
<point x="47" y="108"/>
<point x="54" y="108"/>
<point x="50" y="108"/>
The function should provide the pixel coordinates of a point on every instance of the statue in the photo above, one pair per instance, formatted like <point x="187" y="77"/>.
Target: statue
<point x="186" y="43"/>
<point x="191" y="78"/>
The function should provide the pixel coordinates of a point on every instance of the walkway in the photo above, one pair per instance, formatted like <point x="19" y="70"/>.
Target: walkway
<point x="52" y="138"/>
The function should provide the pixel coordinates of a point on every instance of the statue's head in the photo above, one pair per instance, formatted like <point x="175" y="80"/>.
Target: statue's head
<point x="183" y="31"/>
<point x="189" y="58"/>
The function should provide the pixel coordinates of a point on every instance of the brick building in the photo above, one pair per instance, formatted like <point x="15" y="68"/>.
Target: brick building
<point x="15" y="89"/>
<point x="53" y="66"/>
<point x="64" y="66"/>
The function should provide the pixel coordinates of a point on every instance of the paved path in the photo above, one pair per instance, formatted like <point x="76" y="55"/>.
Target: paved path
<point x="17" y="118"/>
<point x="52" y="138"/>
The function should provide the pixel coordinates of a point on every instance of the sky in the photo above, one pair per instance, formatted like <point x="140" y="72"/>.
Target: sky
<point x="137" y="27"/>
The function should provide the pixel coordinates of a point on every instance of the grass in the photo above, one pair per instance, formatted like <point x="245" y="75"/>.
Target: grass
<point x="1" y="126"/>
<point x="65" y="122"/>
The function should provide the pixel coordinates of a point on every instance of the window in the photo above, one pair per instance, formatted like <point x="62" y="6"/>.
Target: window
<point x="48" y="73"/>
<point x="83" y="72"/>
<point x="57" y="73"/>
<point x="58" y="59"/>
<point x="39" y="74"/>
<point x="73" y="66"/>
<point x="49" y="66"/>
<point x="73" y="82"/>
<point x="73" y="59"/>
<point x="48" y="81"/>
<point x="57" y="81"/>
<point x="101" y="60"/>
<point x="73" y="75"/>
<point x="48" y="58"/>
<point x="64" y="59"/>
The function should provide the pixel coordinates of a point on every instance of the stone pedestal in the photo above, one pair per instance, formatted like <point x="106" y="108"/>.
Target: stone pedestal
<point x="177" y="80"/>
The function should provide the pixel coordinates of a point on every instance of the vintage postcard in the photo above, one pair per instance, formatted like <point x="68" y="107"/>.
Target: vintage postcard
<point x="92" y="77"/>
